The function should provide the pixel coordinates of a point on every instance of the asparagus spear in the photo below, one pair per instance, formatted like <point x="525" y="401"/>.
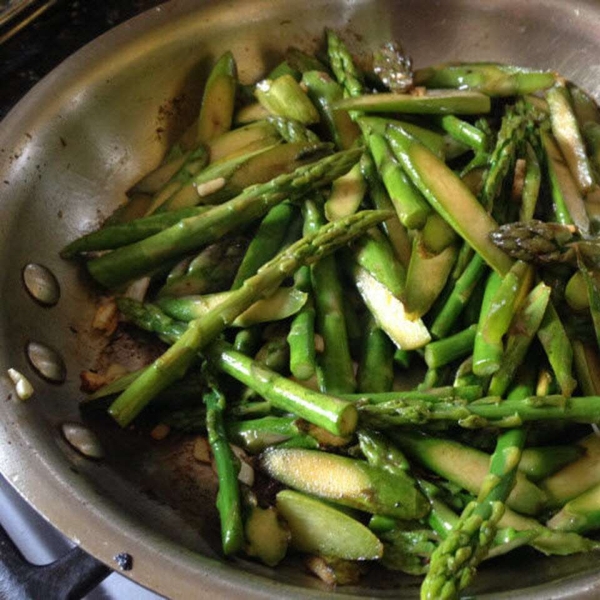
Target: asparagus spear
<point x="380" y="452"/>
<point x="443" y="520"/>
<point x="548" y="541"/>
<point x="266" y="242"/>
<point x="376" y="368"/>
<point x="444" y="351"/>
<point x="566" y="131"/>
<point x="407" y="200"/>
<point x="503" y="156"/>
<point x="577" y="477"/>
<point x="335" y="360"/>
<point x="488" y="411"/>
<point x="333" y="414"/>
<point x="119" y="235"/>
<point x="434" y="102"/>
<point x="395" y="231"/>
<point x="531" y="185"/>
<point x="464" y="132"/>
<point x="175" y="362"/>
<point x="343" y="66"/>
<point x="453" y="563"/>
<point x="449" y="196"/>
<point x="228" y="497"/>
<point x="493" y="79"/>
<point x="567" y="200"/>
<point x="559" y="351"/>
<point x="294" y="131"/>
<point x="543" y="243"/>
<point x="468" y="393"/>
<point x="136" y="259"/>
<point x="458" y="298"/>
<point x="301" y="337"/>
<point x="218" y="101"/>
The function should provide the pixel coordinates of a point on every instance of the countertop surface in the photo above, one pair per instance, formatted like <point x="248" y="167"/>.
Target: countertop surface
<point x="63" y="28"/>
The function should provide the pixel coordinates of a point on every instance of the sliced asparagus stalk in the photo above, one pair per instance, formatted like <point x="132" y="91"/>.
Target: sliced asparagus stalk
<point x="347" y="193"/>
<point x="389" y="312"/>
<point x="421" y="292"/>
<point x="346" y="481"/>
<point x="568" y="136"/>
<point x="324" y="92"/>
<point x="318" y="528"/>
<point x="218" y="101"/>
<point x="283" y="303"/>
<point x="466" y="467"/>
<point x="567" y="200"/>
<point x="444" y="351"/>
<point x="301" y="338"/>
<point x="577" y="477"/>
<point x="541" y="462"/>
<point x="335" y="361"/>
<point x="493" y="79"/>
<point x="582" y="514"/>
<point x="266" y="242"/>
<point x="449" y="196"/>
<point x="434" y="102"/>
<point x="285" y="98"/>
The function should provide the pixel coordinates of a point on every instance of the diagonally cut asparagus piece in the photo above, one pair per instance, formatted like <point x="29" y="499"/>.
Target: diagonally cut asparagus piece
<point x="493" y="79"/>
<point x="569" y="138"/>
<point x="434" y="102"/>
<point x="218" y="101"/>
<point x="449" y="196"/>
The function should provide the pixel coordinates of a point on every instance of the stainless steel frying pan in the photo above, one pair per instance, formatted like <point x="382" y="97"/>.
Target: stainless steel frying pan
<point x="70" y="150"/>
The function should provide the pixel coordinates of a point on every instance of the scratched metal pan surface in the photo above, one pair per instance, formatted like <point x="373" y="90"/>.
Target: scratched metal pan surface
<point x="68" y="153"/>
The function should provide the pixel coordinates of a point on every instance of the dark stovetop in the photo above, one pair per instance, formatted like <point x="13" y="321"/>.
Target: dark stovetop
<point x="57" y="33"/>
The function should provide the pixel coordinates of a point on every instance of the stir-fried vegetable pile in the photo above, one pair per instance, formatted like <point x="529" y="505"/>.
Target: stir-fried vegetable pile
<point x="383" y="285"/>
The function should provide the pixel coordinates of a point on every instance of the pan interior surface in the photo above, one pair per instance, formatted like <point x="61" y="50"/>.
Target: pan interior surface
<point x="69" y="152"/>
